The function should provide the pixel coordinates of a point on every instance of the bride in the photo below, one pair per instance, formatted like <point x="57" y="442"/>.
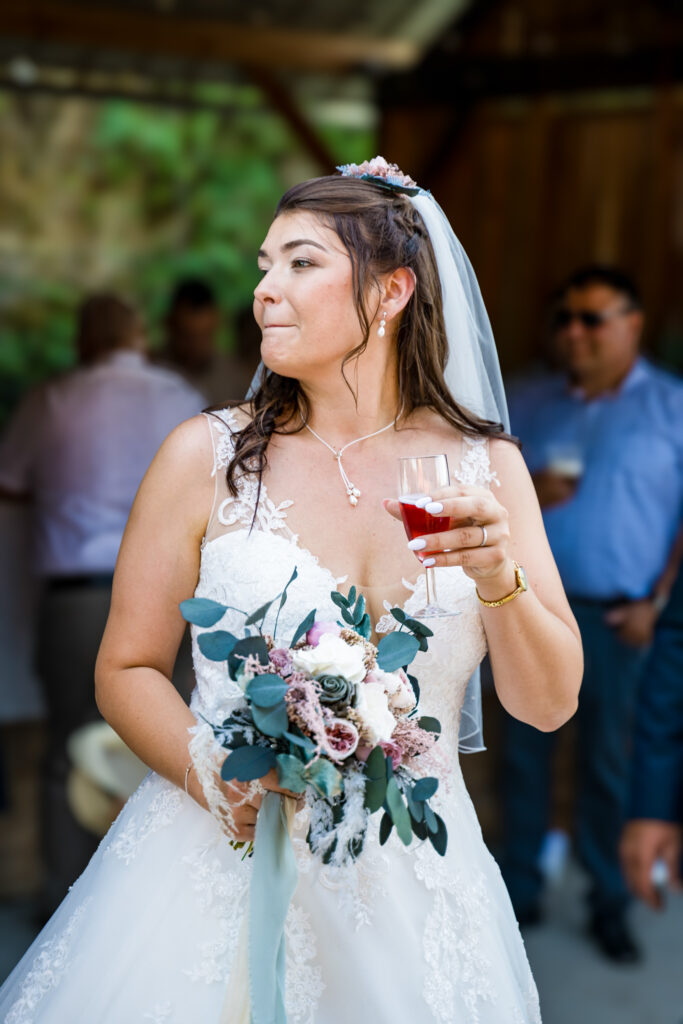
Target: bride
<point x="375" y="346"/>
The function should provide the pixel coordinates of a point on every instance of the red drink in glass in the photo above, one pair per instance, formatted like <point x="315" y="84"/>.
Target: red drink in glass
<point x="417" y="522"/>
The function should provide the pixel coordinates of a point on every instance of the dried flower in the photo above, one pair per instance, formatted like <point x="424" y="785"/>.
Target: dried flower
<point x="378" y="167"/>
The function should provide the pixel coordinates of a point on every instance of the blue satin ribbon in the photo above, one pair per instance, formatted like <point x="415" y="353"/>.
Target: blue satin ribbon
<point x="273" y="881"/>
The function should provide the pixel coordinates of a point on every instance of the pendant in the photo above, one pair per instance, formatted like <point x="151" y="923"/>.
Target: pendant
<point x="353" y="495"/>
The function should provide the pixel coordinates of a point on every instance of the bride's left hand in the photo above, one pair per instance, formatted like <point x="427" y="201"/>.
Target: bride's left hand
<point x="475" y="516"/>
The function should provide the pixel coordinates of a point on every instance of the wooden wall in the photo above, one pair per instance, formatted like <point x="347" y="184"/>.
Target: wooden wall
<point x="536" y="186"/>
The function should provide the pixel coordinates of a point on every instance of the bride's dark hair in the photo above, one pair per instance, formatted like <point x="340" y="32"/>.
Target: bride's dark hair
<point x="380" y="230"/>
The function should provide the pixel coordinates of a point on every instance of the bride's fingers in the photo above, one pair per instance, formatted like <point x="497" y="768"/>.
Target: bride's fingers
<point x="480" y="507"/>
<point x="459" y="539"/>
<point x="392" y="506"/>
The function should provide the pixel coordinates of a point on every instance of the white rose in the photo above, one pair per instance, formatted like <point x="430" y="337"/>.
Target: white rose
<point x="396" y="685"/>
<point x="372" y="705"/>
<point x="332" y="657"/>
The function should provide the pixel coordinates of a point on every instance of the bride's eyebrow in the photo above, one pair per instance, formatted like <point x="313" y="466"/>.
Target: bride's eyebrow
<point x="294" y="244"/>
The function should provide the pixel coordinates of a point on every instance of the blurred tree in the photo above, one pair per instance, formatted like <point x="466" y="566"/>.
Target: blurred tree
<point x="123" y="196"/>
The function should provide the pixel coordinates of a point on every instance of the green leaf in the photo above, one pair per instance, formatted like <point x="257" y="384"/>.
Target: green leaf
<point x="303" y="627"/>
<point x="425" y="788"/>
<point x="291" y="773"/>
<point x="266" y="690"/>
<point x="255" y="645"/>
<point x="399" y="812"/>
<point x="430" y="819"/>
<point x="348" y="617"/>
<point x="418" y="627"/>
<point x="218" y="645"/>
<point x="364" y="627"/>
<point x="419" y="828"/>
<point x="415" y="685"/>
<point x="351" y="596"/>
<point x="283" y="597"/>
<point x="359" y="610"/>
<point x="376" y="785"/>
<point x="440" y="840"/>
<point x="200" y="611"/>
<point x="430" y="724"/>
<point x="414" y="807"/>
<point x="247" y="763"/>
<point x="385" y="827"/>
<point x="327" y="855"/>
<point x="338" y="599"/>
<point x="299" y="740"/>
<point x="272" y="721"/>
<point x="396" y="650"/>
<point x="259" y="614"/>
<point x="324" y="777"/>
<point x="398" y="614"/>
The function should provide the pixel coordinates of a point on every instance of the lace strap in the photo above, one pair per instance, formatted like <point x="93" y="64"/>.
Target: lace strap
<point x="475" y="464"/>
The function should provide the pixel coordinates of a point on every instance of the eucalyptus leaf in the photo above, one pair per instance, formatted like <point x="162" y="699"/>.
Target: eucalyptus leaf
<point x="359" y="610"/>
<point x="301" y="741"/>
<point x="418" y="627"/>
<point x="283" y="597"/>
<point x="338" y="599"/>
<point x="291" y="773"/>
<point x="396" y="650"/>
<point x="430" y="819"/>
<point x="414" y="806"/>
<point x="247" y="763"/>
<point x="351" y="596"/>
<point x="259" y="614"/>
<point x="419" y="828"/>
<point x="303" y="627"/>
<point x="364" y="627"/>
<point x="440" y="840"/>
<point x="272" y="721"/>
<point x="255" y="645"/>
<point x="425" y="788"/>
<point x="376" y="785"/>
<point x="217" y="645"/>
<point x="266" y="690"/>
<point x="385" y="827"/>
<point x="430" y="724"/>
<point x="398" y="614"/>
<point x="348" y="617"/>
<point x="200" y="611"/>
<point x="399" y="812"/>
<point x="415" y="685"/>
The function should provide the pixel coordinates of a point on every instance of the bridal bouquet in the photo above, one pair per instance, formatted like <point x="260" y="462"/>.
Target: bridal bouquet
<point x="335" y="715"/>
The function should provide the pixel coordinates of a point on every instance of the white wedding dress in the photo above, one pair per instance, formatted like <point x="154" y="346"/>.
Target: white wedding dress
<point x="148" y="933"/>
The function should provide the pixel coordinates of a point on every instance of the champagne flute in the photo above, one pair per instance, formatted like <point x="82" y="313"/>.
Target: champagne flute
<point x="418" y="479"/>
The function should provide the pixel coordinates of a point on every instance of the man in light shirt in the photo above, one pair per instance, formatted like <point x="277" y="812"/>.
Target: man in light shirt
<point x="77" y="449"/>
<point x="604" y="443"/>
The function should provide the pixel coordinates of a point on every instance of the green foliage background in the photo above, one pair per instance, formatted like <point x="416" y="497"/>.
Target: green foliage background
<point x="129" y="197"/>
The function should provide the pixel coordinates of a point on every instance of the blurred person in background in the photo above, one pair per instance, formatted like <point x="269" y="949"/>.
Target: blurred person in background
<point x="652" y="841"/>
<point x="604" y="443"/>
<point x="192" y="326"/>
<point x="77" y="449"/>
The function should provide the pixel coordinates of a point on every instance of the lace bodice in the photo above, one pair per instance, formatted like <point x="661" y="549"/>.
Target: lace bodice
<point x="245" y="567"/>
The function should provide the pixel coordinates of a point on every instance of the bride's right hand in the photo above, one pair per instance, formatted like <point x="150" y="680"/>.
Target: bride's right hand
<point x="245" y="800"/>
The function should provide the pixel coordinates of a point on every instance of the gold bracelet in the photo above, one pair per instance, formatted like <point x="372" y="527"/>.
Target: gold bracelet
<point x="522" y="585"/>
<point x="187" y="773"/>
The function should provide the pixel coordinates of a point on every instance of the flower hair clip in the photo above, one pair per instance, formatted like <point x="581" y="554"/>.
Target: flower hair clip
<point x="381" y="173"/>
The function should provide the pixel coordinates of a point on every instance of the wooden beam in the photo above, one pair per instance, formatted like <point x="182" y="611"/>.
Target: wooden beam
<point x="204" y="39"/>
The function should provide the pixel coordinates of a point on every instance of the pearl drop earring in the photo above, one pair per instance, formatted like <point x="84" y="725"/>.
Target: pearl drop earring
<point x="381" y="330"/>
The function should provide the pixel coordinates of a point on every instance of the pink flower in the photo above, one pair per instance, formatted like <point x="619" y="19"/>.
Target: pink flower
<point x="393" y="751"/>
<point x="318" y="629"/>
<point x="281" y="661"/>
<point x="342" y="738"/>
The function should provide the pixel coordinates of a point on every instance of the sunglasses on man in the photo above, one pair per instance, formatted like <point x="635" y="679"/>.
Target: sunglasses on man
<point x="589" y="318"/>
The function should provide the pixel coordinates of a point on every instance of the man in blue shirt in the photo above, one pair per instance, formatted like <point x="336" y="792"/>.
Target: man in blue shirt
<point x="604" y="443"/>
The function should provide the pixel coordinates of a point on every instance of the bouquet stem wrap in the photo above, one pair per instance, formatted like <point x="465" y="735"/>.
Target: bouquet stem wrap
<point x="256" y="989"/>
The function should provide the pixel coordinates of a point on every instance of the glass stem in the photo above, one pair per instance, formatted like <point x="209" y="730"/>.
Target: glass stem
<point x="430" y="586"/>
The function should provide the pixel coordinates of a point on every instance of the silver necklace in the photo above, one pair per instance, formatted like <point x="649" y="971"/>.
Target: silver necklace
<point x="352" y="492"/>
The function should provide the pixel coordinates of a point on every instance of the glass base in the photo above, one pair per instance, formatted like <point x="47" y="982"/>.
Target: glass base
<point x="433" y="611"/>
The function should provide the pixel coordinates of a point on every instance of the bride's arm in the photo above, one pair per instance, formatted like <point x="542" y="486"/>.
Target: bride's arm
<point x="533" y="640"/>
<point x="157" y="568"/>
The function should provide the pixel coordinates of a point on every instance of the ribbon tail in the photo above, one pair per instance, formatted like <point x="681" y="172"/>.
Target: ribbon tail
<point x="273" y="881"/>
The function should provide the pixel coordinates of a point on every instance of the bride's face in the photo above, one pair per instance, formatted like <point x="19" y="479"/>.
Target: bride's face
<point x="304" y="301"/>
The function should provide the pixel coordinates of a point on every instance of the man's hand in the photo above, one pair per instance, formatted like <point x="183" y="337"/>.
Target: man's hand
<point x="553" y="488"/>
<point x="634" y="622"/>
<point x="644" y="841"/>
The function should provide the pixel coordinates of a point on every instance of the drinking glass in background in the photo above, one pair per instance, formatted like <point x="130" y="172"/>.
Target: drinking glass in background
<point x="419" y="479"/>
<point x="565" y="460"/>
